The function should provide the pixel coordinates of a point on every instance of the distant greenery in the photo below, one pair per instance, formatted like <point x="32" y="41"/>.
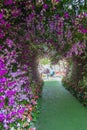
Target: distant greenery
<point x="45" y="61"/>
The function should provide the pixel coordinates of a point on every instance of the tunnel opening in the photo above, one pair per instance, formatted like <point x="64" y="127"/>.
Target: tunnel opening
<point x="29" y="31"/>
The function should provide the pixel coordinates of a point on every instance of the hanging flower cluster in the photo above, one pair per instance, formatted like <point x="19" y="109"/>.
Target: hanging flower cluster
<point x="77" y="49"/>
<point x="26" y="28"/>
<point x="15" y="88"/>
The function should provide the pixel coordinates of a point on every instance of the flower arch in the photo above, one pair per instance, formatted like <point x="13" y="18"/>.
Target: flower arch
<point x="28" y="30"/>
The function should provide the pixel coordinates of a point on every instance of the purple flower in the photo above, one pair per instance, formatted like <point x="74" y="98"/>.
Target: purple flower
<point x="2" y="21"/>
<point x="2" y="117"/>
<point x="9" y="42"/>
<point x="2" y="63"/>
<point x="83" y="30"/>
<point x="45" y="6"/>
<point x="2" y="90"/>
<point x="2" y="34"/>
<point x="66" y="15"/>
<point x="13" y="113"/>
<point x="1" y="47"/>
<point x="11" y="101"/>
<point x="7" y="25"/>
<point x="10" y="93"/>
<point x="11" y="84"/>
<point x="57" y="0"/>
<point x="6" y="126"/>
<point x="16" y="12"/>
<point x="2" y="104"/>
<point x="8" y="2"/>
<point x="57" y="16"/>
<point x="85" y="14"/>
<point x="3" y="80"/>
<point x="1" y="98"/>
<point x="21" y="111"/>
<point x="3" y="72"/>
<point x="1" y="16"/>
<point x="8" y="116"/>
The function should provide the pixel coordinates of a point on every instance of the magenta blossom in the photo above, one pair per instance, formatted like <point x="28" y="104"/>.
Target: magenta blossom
<point x="2" y="104"/>
<point x="11" y="101"/>
<point x="2" y="34"/>
<point x="21" y="110"/>
<point x="3" y="72"/>
<point x="2" y="117"/>
<point x="85" y="14"/>
<point x="1" y="16"/>
<point x="57" y="0"/>
<point x="8" y="25"/>
<point x="1" y="98"/>
<point x="9" y="42"/>
<point x="45" y="6"/>
<point x="1" y="47"/>
<point x="2" y="90"/>
<point x="66" y="15"/>
<point x="8" y="2"/>
<point x="10" y="93"/>
<point x="16" y="12"/>
<point x="83" y="30"/>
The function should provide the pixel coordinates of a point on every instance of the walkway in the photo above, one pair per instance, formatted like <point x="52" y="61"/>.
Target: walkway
<point x="60" y="110"/>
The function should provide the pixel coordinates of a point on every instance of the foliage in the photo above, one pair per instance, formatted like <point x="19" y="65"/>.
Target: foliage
<point x="45" y="61"/>
<point x="79" y="90"/>
<point x="26" y="28"/>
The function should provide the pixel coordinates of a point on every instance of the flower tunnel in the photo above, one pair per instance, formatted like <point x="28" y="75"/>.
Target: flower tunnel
<point x="30" y="30"/>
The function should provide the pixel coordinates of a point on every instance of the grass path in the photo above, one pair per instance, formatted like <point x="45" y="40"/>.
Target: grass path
<point x="60" y="110"/>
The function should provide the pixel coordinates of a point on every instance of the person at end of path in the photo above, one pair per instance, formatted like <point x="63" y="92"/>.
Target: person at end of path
<point x="52" y="72"/>
<point x="47" y="72"/>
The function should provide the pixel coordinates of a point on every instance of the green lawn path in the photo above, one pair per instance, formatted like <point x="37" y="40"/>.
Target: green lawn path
<point x="60" y="110"/>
